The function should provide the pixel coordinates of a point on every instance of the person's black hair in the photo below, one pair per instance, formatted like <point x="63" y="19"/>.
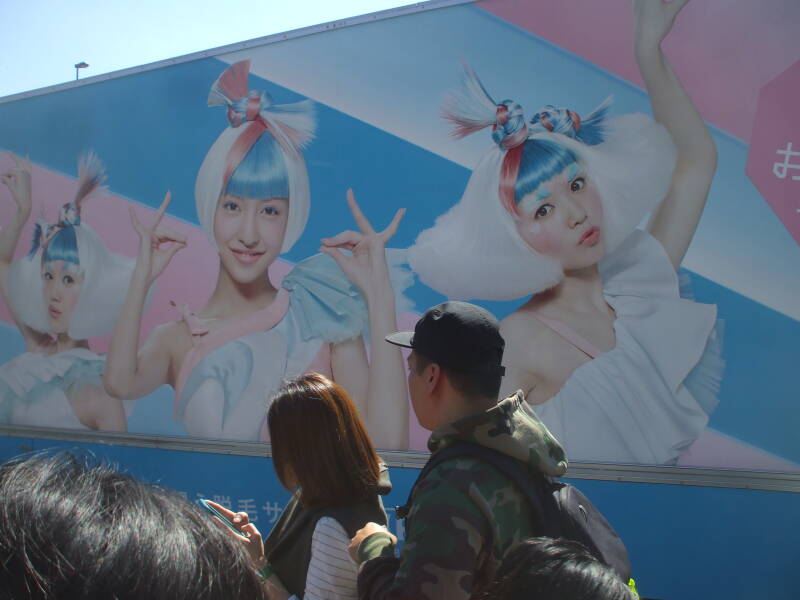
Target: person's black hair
<point x="475" y="387"/>
<point x="74" y="529"/>
<point x="554" y="569"/>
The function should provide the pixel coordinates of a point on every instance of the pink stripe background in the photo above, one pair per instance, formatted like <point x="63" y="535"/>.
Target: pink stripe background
<point x="723" y="51"/>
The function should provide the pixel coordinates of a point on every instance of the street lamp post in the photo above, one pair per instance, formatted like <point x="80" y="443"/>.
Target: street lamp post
<point x="80" y="65"/>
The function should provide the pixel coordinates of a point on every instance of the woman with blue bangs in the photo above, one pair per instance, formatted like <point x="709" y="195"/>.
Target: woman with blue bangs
<point x="620" y="366"/>
<point x="69" y="288"/>
<point x="252" y="198"/>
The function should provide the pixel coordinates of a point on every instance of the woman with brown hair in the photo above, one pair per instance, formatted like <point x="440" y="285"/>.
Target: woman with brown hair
<point x="321" y="451"/>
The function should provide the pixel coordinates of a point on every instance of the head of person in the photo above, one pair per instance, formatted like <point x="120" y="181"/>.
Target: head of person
<point x="455" y="364"/>
<point x="554" y="194"/>
<point x="554" y="569"/>
<point x="70" y="283"/>
<point x="71" y="528"/>
<point x="252" y="190"/>
<point x="320" y="444"/>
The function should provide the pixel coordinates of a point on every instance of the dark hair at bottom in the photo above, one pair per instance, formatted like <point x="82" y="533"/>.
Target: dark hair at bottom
<point x="554" y="569"/>
<point x="74" y="529"/>
<point x="473" y="386"/>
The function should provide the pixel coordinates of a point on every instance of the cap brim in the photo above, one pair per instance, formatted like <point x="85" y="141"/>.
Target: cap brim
<point x="401" y="338"/>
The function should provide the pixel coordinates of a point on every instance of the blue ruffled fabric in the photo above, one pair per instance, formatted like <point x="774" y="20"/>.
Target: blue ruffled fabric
<point x="704" y="380"/>
<point x="327" y="306"/>
<point x="81" y="370"/>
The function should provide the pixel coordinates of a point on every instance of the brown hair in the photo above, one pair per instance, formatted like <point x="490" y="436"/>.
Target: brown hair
<point x="319" y="439"/>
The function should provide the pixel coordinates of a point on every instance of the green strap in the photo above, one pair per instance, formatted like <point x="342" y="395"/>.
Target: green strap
<point x="632" y="588"/>
<point x="266" y="571"/>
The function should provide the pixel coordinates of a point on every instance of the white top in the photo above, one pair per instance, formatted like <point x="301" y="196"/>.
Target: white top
<point x="331" y="573"/>
<point x="641" y="402"/>
<point x="34" y="387"/>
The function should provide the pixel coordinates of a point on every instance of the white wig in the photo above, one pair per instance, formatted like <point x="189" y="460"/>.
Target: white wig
<point x="292" y="126"/>
<point x="474" y="251"/>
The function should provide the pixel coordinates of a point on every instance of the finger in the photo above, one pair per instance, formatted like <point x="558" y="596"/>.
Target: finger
<point x="391" y="229"/>
<point x="361" y="220"/>
<point x="162" y="234"/>
<point x="241" y="518"/>
<point x="345" y="237"/>
<point x="229" y="514"/>
<point x="135" y="220"/>
<point x="162" y="209"/>
<point x="17" y="160"/>
<point x="252" y="533"/>
<point x="221" y="523"/>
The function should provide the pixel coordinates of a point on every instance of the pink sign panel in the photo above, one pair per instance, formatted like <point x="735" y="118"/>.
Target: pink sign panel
<point x="773" y="162"/>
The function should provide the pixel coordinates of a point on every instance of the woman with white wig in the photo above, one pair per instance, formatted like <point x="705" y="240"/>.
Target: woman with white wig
<point x="252" y="197"/>
<point x="622" y="368"/>
<point x="68" y="288"/>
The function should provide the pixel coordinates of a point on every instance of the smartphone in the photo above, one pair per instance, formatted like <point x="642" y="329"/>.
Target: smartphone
<point x="225" y="521"/>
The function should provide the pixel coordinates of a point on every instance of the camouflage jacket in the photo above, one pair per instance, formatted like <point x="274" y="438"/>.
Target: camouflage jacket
<point x="464" y="514"/>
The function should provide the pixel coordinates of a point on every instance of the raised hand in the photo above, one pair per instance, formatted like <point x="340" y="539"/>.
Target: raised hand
<point x="157" y="245"/>
<point x="18" y="181"/>
<point x="654" y="20"/>
<point x="366" y="266"/>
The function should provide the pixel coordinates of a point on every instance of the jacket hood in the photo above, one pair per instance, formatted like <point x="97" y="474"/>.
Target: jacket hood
<point x="510" y="427"/>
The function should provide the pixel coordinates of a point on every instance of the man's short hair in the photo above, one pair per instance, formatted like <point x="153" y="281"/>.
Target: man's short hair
<point x="72" y="529"/>
<point x="474" y="386"/>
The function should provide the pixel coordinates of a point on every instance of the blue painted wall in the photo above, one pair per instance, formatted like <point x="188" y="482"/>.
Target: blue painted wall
<point x="687" y="543"/>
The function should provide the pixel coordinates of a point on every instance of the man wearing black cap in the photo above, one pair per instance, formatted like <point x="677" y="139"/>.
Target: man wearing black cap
<point x="463" y="513"/>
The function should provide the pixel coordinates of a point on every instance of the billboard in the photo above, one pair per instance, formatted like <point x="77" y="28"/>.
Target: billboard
<point x="650" y="311"/>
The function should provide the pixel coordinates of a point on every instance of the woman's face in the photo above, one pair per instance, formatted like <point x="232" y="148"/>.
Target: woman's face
<point x="563" y="219"/>
<point x="62" y="288"/>
<point x="249" y="234"/>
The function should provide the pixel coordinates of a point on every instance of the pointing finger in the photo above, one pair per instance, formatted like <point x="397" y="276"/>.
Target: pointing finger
<point x="162" y="209"/>
<point x="361" y="220"/>
<point x="391" y="229"/>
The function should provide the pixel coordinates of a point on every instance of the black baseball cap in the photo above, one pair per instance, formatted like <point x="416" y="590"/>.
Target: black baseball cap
<point x="457" y="335"/>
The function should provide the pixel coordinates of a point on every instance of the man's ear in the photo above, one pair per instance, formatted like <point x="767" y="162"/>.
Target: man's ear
<point x="433" y="377"/>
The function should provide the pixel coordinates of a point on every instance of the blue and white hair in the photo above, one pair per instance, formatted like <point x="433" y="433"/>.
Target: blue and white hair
<point x="273" y="166"/>
<point x="629" y="158"/>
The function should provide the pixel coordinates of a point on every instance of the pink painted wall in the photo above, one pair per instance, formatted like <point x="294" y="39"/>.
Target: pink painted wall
<point x="723" y="50"/>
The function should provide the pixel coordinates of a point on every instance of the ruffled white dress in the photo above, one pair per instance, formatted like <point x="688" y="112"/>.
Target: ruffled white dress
<point x="34" y="387"/>
<point x="649" y="398"/>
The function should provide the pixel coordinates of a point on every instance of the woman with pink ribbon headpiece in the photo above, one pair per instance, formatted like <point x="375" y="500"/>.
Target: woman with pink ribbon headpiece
<point x="67" y="289"/>
<point x="620" y="366"/>
<point x="252" y="197"/>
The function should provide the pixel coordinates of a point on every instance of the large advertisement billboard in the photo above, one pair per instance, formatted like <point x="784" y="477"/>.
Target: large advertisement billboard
<point x="650" y="319"/>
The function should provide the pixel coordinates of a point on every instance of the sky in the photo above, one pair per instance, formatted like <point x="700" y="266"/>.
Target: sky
<point x="43" y="39"/>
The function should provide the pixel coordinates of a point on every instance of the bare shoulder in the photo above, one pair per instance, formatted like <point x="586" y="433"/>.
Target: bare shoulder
<point x="523" y="334"/>
<point x="172" y="339"/>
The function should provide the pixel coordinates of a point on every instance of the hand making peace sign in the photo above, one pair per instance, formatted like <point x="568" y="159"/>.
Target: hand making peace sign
<point x="366" y="267"/>
<point x="157" y="245"/>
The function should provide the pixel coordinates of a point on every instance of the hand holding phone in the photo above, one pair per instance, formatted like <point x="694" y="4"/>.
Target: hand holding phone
<point x="224" y="519"/>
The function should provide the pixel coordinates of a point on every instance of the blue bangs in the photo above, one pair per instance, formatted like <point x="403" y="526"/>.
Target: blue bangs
<point x="541" y="161"/>
<point x="63" y="246"/>
<point x="262" y="172"/>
